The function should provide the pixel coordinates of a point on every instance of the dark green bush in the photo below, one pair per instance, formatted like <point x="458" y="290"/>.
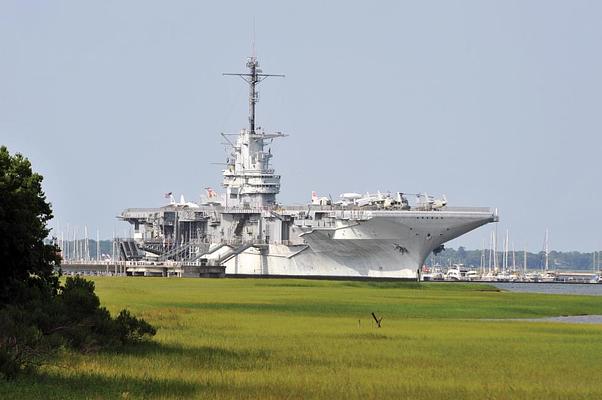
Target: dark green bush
<point x="86" y="326"/>
<point x="31" y="333"/>
<point x="131" y="329"/>
<point x="22" y="345"/>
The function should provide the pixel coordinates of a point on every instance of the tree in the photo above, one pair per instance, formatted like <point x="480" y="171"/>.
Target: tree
<point x="37" y="314"/>
<point x="25" y="260"/>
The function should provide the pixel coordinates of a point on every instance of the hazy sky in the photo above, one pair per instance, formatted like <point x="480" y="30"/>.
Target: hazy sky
<point x="492" y="103"/>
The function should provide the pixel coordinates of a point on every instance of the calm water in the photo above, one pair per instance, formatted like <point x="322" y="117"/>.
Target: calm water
<point x="552" y="288"/>
<point x="572" y="319"/>
<point x="557" y="288"/>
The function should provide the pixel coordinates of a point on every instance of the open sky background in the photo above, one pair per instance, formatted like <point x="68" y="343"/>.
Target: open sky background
<point x="494" y="103"/>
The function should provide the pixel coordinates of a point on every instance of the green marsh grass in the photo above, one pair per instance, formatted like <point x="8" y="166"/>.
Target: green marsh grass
<point x="299" y="339"/>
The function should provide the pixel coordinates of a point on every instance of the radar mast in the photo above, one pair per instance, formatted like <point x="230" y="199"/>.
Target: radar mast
<point x="253" y="78"/>
<point x="248" y="178"/>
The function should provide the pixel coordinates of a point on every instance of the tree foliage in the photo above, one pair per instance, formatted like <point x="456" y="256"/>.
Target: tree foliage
<point x="38" y="315"/>
<point x="26" y="261"/>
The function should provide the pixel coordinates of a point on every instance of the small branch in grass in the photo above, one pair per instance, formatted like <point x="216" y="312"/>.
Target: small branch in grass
<point x="378" y="320"/>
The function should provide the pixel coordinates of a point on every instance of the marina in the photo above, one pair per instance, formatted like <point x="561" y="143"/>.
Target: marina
<point x="461" y="273"/>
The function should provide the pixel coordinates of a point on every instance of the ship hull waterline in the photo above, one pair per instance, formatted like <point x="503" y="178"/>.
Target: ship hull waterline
<point x="382" y="247"/>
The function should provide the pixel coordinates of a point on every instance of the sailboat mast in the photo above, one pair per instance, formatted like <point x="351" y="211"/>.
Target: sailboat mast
<point x="75" y="244"/>
<point x="504" y="255"/>
<point x="490" y="252"/>
<point x="483" y="257"/>
<point x="114" y="251"/>
<point x="513" y="258"/>
<point x="66" y="244"/>
<point x="495" y="266"/>
<point x="86" y="244"/>
<point x="506" y="251"/>
<point x="547" y="252"/>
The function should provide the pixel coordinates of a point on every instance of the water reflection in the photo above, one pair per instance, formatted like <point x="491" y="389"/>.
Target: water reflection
<point x="593" y="289"/>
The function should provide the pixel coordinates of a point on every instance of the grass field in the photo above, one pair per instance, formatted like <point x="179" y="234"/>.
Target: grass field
<point x="297" y="339"/>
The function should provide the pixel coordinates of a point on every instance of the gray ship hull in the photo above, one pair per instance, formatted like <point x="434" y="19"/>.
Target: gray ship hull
<point x="387" y="245"/>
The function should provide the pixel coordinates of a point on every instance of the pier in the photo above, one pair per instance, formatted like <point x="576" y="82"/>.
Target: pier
<point x="141" y="268"/>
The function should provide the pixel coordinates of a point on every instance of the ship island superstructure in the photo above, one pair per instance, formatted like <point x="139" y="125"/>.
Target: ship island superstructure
<point x="248" y="232"/>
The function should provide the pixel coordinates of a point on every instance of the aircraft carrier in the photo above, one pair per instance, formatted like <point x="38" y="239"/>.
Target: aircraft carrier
<point x="248" y="232"/>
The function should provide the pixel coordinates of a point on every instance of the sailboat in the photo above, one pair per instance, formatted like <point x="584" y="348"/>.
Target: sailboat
<point x="547" y="275"/>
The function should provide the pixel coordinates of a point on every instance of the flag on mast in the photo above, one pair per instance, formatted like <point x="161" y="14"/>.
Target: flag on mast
<point x="210" y="193"/>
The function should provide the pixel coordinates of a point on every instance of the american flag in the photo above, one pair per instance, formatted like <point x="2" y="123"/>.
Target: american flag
<point x="210" y="193"/>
